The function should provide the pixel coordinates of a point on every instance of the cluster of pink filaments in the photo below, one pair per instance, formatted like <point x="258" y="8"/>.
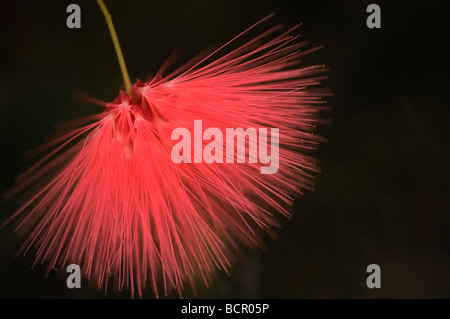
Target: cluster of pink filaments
<point x="119" y="206"/>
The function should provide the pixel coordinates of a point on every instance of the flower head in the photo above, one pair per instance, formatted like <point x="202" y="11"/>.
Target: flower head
<point x="118" y="204"/>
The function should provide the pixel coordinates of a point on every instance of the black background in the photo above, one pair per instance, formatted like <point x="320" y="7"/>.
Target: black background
<point x="382" y="196"/>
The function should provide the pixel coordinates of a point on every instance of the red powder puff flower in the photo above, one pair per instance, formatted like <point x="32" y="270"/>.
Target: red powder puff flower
<point x="120" y="205"/>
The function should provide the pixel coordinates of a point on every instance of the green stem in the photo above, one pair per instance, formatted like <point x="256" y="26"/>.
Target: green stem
<point x="112" y="31"/>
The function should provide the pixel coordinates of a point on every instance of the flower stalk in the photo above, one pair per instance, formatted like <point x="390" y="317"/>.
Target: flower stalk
<point x="112" y="31"/>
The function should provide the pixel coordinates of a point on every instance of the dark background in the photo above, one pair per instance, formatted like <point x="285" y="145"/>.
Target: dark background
<point x="382" y="196"/>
